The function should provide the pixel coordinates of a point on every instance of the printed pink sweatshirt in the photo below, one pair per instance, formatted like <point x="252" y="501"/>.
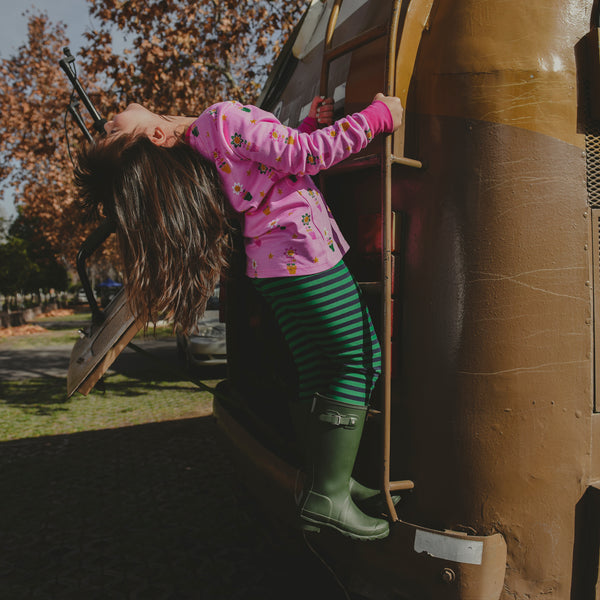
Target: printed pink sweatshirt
<point x="264" y="166"/>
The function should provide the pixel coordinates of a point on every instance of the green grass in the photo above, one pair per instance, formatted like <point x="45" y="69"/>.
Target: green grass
<point x="39" y="406"/>
<point x="63" y="330"/>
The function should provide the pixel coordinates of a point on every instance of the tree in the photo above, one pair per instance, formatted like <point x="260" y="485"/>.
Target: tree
<point x="16" y="268"/>
<point x="181" y="57"/>
<point x="186" y="55"/>
<point x="33" y="161"/>
<point x="50" y="271"/>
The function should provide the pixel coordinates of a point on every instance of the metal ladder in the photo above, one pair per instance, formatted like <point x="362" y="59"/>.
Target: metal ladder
<point x="398" y="72"/>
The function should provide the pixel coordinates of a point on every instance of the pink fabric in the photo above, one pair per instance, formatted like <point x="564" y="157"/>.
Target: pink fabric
<point x="309" y="125"/>
<point x="380" y="118"/>
<point x="265" y="167"/>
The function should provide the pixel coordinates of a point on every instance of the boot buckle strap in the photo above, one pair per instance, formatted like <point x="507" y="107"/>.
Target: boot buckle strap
<point x="349" y="422"/>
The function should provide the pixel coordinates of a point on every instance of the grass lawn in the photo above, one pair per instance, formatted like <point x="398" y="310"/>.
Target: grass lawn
<point x="45" y="331"/>
<point x="39" y="407"/>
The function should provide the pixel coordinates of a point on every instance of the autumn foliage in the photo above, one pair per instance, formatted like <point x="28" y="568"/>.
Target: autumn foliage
<point x="174" y="56"/>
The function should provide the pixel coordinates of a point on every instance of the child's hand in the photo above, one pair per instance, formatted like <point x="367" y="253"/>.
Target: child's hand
<point x="321" y="109"/>
<point x="395" y="106"/>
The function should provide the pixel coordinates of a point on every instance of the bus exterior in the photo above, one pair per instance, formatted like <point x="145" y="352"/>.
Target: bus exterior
<point x="474" y="234"/>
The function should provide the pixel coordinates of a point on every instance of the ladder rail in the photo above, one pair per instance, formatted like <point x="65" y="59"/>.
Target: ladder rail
<point x="399" y="70"/>
<point x="333" y="17"/>
<point x="416" y="20"/>
<point x="386" y="258"/>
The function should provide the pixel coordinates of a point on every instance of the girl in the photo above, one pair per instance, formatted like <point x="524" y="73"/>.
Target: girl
<point x="170" y="184"/>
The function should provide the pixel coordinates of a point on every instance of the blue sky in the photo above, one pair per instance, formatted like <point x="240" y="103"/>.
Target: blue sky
<point x="13" y="25"/>
<point x="13" y="33"/>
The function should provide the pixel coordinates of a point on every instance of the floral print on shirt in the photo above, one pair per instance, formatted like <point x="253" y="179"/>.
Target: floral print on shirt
<point x="265" y="168"/>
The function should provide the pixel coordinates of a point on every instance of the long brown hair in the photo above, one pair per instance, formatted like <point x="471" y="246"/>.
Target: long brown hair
<point x="171" y="218"/>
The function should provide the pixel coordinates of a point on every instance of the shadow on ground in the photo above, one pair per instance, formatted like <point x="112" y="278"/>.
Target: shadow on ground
<point x="146" y="512"/>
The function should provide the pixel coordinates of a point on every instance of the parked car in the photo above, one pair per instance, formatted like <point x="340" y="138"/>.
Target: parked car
<point x="205" y="344"/>
<point x="81" y="298"/>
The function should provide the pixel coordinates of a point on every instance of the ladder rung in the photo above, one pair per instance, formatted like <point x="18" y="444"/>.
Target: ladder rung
<point x="372" y="160"/>
<point x="371" y="287"/>
<point x="405" y="484"/>
<point x="407" y="162"/>
<point x="351" y="164"/>
<point x="360" y="40"/>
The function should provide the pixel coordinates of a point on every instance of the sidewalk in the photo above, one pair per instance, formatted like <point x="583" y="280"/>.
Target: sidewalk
<point x="54" y="361"/>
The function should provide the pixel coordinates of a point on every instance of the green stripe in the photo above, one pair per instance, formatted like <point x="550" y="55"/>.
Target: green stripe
<point x="329" y="332"/>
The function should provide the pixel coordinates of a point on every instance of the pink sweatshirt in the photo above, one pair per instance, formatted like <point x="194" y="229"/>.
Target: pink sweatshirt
<point x="265" y="167"/>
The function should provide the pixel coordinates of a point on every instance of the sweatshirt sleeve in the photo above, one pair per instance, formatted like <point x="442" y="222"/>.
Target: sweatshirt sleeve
<point x="308" y="125"/>
<point x="255" y="135"/>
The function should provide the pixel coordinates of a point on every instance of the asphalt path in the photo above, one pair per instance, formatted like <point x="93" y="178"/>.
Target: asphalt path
<point x="53" y="361"/>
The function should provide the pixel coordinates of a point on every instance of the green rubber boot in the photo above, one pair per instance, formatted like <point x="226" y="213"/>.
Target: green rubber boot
<point x="334" y="432"/>
<point x="369" y="500"/>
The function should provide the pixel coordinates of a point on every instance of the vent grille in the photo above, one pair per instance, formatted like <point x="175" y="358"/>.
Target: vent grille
<point x="592" y="165"/>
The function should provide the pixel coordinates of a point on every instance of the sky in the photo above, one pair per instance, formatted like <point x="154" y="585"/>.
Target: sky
<point x="13" y="33"/>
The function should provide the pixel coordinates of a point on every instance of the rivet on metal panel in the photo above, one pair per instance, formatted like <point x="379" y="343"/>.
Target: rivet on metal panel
<point x="448" y="575"/>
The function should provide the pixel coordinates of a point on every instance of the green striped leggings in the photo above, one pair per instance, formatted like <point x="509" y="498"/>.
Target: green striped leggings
<point x="329" y="331"/>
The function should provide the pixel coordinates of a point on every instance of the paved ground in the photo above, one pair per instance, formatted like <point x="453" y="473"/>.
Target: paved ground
<point x="147" y="512"/>
<point x="35" y="362"/>
<point x="54" y="361"/>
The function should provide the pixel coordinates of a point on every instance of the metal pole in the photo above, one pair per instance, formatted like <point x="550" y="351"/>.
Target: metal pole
<point x="386" y="214"/>
<point x="333" y="17"/>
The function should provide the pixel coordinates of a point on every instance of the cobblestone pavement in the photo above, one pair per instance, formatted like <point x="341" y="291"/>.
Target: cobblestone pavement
<point x="147" y="512"/>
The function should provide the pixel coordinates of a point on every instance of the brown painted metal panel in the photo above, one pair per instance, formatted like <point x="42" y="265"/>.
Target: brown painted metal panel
<point x="502" y="62"/>
<point x="493" y="404"/>
<point x="498" y="253"/>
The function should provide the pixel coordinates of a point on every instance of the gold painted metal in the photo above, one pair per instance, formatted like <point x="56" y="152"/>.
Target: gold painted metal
<point x="386" y="269"/>
<point x="399" y="68"/>
<point x="333" y="17"/>
<point x="415" y="22"/>
<point x="335" y="13"/>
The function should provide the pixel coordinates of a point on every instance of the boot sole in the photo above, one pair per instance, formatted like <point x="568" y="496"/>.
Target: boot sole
<point x="309" y="525"/>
